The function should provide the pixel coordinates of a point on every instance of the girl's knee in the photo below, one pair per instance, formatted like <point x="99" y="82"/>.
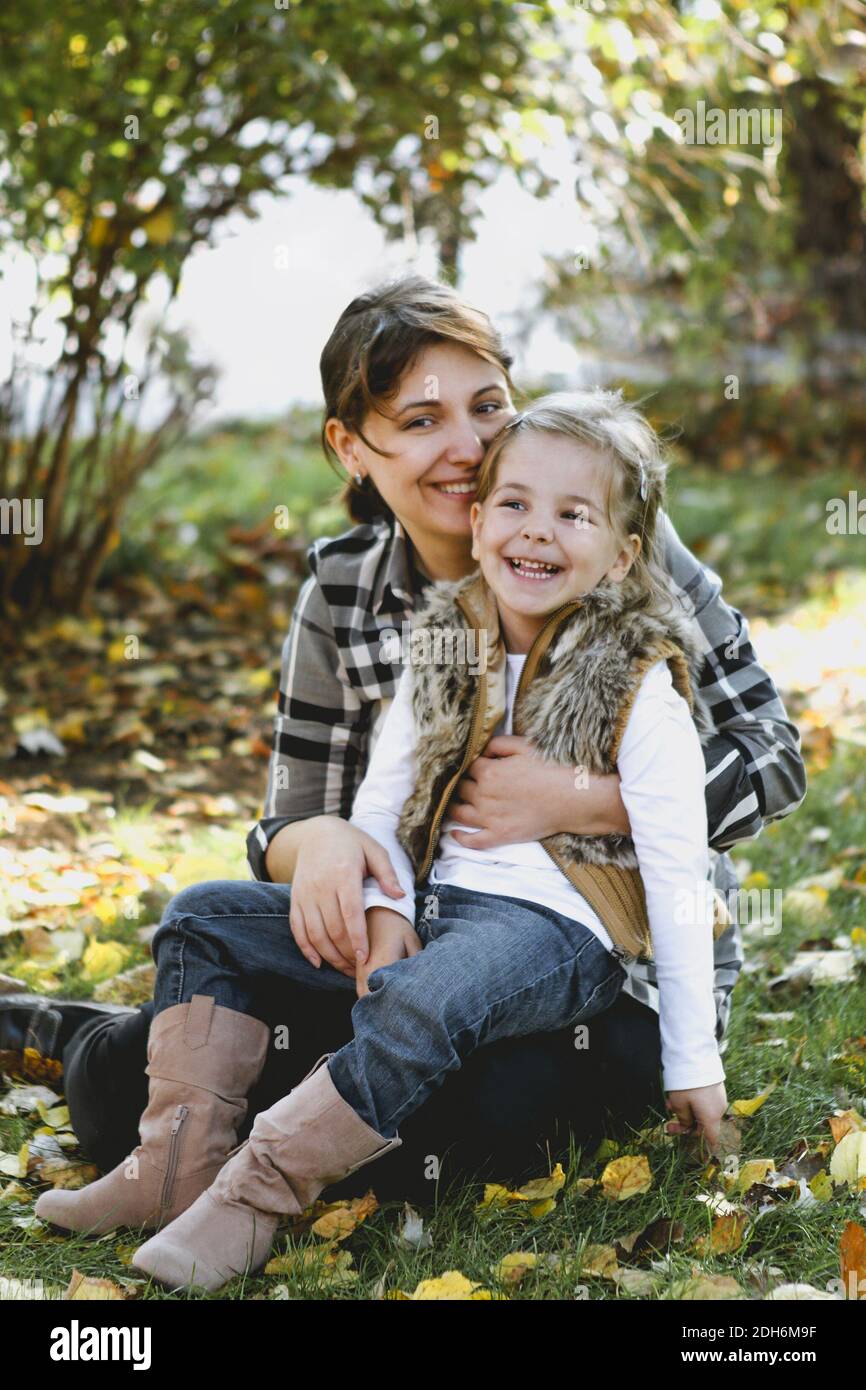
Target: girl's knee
<point x="424" y="1004"/>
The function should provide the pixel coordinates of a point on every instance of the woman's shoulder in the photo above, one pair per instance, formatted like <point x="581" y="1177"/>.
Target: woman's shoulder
<point x="348" y="551"/>
<point x="440" y="600"/>
<point x="362" y="574"/>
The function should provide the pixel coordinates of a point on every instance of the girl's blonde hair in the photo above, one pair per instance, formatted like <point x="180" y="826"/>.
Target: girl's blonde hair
<point x="635" y="461"/>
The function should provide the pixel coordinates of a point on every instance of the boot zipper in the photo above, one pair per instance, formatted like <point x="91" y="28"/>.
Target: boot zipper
<point x="394" y="1143"/>
<point x="180" y="1115"/>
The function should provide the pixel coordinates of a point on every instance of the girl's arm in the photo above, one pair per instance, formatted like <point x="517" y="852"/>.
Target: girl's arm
<point x="319" y="752"/>
<point x="661" y="768"/>
<point x="389" y="781"/>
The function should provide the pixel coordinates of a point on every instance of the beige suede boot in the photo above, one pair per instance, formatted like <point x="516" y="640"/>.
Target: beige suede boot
<point x="307" y="1141"/>
<point x="202" y="1061"/>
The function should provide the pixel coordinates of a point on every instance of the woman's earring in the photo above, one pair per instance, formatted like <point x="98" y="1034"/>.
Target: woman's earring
<point x="358" y="479"/>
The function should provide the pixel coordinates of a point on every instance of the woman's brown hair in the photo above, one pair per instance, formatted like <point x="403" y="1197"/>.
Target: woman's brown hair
<point x="375" y="339"/>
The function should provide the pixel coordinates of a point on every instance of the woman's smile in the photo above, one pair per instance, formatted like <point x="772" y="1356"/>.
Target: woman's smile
<point x="459" y="492"/>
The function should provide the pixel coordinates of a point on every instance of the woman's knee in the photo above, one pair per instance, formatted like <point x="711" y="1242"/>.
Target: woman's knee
<point x="221" y="898"/>
<point x="519" y="1080"/>
<point x="627" y="1037"/>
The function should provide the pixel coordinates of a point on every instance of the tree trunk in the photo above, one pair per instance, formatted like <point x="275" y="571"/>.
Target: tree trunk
<point x="821" y="153"/>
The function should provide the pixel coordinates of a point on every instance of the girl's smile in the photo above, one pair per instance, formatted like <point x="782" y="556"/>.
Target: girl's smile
<point x="532" y="571"/>
<point x="541" y="535"/>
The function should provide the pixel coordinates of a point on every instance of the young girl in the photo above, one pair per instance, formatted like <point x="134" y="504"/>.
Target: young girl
<point x="579" y="636"/>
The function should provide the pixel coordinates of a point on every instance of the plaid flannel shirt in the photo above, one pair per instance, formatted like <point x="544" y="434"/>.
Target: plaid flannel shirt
<point x="335" y="688"/>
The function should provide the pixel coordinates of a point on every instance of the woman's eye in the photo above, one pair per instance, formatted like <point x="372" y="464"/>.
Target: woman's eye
<point x="489" y="406"/>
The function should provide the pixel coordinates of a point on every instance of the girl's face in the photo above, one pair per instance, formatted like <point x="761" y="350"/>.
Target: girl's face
<point x="547" y="505"/>
<point x="449" y="405"/>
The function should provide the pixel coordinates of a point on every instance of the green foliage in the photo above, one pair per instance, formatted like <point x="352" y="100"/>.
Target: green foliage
<point x="129" y="134"/>
<point x="707" y="245"/>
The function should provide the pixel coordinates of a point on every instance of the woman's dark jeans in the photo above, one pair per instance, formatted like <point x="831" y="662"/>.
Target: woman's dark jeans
<point x="508" y="1112"/>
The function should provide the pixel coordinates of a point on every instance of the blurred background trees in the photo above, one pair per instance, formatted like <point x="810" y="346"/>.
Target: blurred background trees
<point x="721" y="258"/>
<point x="128" y="134"/>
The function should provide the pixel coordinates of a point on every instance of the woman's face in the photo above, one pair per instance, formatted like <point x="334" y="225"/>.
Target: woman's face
<point x="449" y="405"/>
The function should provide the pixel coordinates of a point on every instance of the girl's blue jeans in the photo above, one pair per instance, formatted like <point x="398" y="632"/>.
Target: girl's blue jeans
<point x="492" y="967"/>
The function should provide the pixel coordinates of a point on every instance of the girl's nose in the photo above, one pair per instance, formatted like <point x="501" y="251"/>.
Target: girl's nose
<point x="536" y="530"/>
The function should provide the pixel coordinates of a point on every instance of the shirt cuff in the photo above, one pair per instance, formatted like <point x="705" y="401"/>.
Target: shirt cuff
<point x="686" y="1076"/>
<point x="258" y="841"/>
<point x="374" y="897"/>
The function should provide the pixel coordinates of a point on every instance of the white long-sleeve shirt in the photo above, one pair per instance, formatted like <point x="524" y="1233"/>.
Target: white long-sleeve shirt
<point x="662" y="773"/>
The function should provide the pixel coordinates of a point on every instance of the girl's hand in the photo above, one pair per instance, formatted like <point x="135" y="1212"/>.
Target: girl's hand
<point x="703" y="1106"/>
<point x="392" y="937"/>
<point x="514" y="795"/>
<point x="327" y="906"/>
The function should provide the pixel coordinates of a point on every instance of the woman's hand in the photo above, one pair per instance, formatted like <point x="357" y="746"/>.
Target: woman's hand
<point x="392" y="937"/>
<point x="703" y="1106"/>
<point x="514" y="795"/>
<point x="327" y="906"/>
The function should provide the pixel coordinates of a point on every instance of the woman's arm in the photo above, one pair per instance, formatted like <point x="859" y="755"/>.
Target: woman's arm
<point x="754" y="768"/>
<point x="319" y="741"/>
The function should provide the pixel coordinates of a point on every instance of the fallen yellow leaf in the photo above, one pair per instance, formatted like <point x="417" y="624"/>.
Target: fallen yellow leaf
<point x="626" y="1177"/>
<point x="752" y="1106"/>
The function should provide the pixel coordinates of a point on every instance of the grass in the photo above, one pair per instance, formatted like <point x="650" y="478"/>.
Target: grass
<point x="802" y="1243"/>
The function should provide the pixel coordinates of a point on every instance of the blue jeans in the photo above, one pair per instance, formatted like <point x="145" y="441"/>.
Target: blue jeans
<point x="492" y="967"/>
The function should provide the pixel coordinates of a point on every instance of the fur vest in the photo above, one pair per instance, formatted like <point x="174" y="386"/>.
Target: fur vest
<point x="576" y="690"/>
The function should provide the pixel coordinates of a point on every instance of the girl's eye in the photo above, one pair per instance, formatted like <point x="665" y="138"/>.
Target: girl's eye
<point x="571" y="516"/>
<point x="419" y="420"/>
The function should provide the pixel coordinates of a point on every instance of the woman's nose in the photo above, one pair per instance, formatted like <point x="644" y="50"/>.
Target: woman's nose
<point x="465" y="446"/>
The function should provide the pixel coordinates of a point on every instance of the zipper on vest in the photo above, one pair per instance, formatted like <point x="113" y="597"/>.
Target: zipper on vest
<point x="180" y="1115"/>
<point x="553" y="618"/>
<point x="446" y="795"/>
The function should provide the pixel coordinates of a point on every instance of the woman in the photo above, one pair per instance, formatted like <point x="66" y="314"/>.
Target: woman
<point x="416" y="383"/>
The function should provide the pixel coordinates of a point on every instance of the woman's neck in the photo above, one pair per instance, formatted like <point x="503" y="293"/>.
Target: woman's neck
<point x="447" y="558"/>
